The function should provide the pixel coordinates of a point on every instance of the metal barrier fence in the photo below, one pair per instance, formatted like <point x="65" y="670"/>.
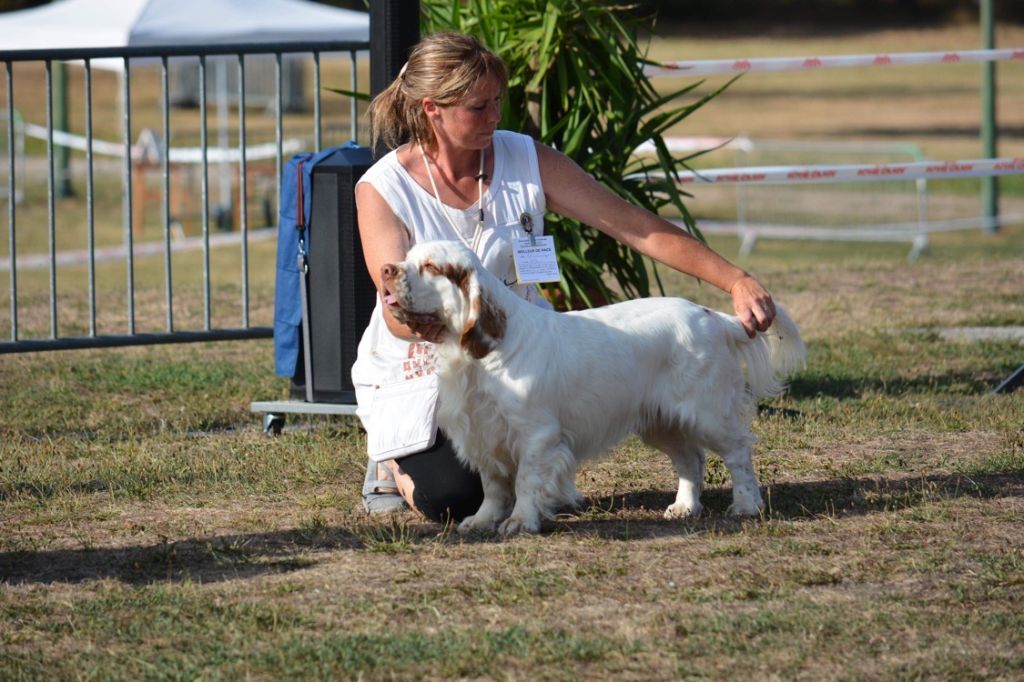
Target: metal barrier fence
<point x="16" y="144"/>
<point x="87" y="143"/>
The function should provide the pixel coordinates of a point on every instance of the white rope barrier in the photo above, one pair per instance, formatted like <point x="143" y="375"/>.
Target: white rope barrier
<point x="119" y="252"/>
<point x="709" y="67"/>
<point x="697" y="144"/>
<point x="820" y="174"/>
<point x="66" y="139"/>
<point x="149" y="150"/>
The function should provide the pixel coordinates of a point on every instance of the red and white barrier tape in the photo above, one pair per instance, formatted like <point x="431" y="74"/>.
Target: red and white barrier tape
<point x="710" y="67"/>
<point x="883" y="232"/>
<point x="820" y="174"/>
<point x="746" y="144"/>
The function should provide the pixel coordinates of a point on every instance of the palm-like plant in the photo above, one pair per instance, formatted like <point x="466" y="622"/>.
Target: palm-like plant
<point x="577" y="83"/>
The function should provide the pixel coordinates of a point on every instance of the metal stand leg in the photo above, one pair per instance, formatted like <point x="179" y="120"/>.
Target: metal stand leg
<point x="1012" y="383"/>
<point x="273" y="423"/>
<point x="275" y="412"/>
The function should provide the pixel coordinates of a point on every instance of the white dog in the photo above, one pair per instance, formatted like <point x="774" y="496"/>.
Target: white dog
<point x="527" y="393"/>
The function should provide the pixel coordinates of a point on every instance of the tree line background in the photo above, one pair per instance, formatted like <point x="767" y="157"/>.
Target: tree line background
<point x="744" y="15"/>
<point x="830" y="14"/>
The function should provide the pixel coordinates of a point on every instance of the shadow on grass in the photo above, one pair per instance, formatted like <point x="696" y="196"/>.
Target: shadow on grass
<point x="211" y="559"/>
<point x="903" y="132"/>
<point x="808" y="385"/>
<point x="812" y="500"/>
<point x="613" y="517"/>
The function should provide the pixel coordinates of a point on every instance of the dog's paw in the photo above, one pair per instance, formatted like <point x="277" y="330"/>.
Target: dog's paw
<point x="577" y="503"/>
<point x="476" y="524"/>
<point x="746" y="502"/>
<point x="746" y="508"/>
<point x="682" y="511"/>
<point x="515" y="525"/>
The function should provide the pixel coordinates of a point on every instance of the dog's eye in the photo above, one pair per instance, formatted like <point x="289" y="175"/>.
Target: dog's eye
<point x="429" y="267"/>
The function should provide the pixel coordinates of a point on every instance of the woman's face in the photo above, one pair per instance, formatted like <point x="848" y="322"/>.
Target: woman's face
<point x="469" y="123"/>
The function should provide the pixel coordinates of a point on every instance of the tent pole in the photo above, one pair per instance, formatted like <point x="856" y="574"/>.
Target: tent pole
<point x="394" y="30"/>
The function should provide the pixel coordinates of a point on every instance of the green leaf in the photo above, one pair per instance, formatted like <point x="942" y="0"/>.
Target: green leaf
<point x="362" y="96"/>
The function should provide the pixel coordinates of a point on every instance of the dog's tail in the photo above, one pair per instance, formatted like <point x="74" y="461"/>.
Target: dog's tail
<point x="771" y="356"/>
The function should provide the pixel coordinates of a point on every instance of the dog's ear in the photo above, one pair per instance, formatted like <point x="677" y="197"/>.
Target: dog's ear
<point x="485" y="322"/>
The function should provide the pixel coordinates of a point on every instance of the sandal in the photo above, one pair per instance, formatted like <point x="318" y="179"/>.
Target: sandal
<point x="380" y="493"/>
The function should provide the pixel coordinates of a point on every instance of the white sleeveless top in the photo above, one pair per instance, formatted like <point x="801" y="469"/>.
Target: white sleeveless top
<point x="384" y="359"/>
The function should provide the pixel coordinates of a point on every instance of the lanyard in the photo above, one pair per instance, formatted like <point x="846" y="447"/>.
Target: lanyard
<point x="478" y="232"/>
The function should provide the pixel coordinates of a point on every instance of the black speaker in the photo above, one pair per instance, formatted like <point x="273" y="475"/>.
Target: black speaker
<point x="341" y="293"/>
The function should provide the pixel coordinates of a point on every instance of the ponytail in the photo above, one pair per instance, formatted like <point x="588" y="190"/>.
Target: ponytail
<point x="388" y="117"/>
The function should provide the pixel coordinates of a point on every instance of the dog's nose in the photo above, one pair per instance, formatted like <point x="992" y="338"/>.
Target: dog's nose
<point x="388" y="271"/>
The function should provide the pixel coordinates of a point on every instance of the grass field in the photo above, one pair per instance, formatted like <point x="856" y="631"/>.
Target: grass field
<point x="150" y="530"/>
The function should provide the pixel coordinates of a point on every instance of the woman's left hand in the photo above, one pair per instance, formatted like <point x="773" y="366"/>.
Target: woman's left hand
<point x="753" y="304"/>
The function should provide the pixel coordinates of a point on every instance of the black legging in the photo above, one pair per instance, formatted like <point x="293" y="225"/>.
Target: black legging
<point x="444" y="488"/>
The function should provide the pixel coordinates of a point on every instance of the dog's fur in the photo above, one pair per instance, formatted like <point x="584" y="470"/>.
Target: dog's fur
<point x="527" y="393"/>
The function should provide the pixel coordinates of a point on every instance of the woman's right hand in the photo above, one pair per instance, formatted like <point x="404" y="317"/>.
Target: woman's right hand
<point x="426" y="327"/>
<point x="385" y="240"/>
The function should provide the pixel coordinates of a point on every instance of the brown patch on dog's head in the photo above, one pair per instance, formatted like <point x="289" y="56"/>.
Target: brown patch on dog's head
<point x="484" y="327"/>
<point x="458" y="274"/>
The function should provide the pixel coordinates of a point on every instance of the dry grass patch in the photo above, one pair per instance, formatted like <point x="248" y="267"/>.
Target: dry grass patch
<point x="135" y="546"/>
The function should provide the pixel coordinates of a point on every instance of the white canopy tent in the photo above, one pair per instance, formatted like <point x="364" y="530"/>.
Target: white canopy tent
<point x="141" y="23"/>
<point x="134" y="23"/>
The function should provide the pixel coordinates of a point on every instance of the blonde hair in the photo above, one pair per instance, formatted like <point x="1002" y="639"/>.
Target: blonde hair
<point x="442" y="66"/>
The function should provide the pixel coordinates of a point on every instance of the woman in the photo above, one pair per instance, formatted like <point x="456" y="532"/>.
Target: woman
<point x="452" y="175"/>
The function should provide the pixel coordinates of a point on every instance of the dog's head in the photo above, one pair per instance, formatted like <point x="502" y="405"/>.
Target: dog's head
<point x="438" y="283"/>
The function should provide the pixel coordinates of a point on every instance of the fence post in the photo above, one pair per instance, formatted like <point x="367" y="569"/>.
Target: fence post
<point x="990" y="184"/>
<point x="62" y="154"/>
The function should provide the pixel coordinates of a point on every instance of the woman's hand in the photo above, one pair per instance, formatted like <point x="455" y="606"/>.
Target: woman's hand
<point x="385" y="240"/>
<point x="753" y="304"/>
<point x="425" y="327"/>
